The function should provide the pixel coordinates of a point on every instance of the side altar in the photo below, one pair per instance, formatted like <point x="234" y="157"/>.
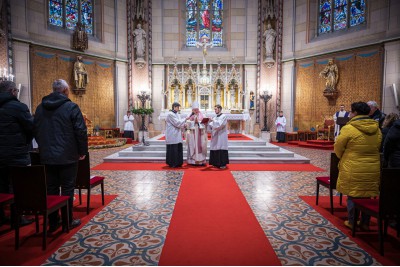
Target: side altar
<point x="236" y="121"/>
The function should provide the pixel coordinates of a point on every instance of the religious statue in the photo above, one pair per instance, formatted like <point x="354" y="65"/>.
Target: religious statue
<point x="139" y="42"/>
<point x="80" y="74"/>
<point x="252" y="98"/>
<point x="204" y="44"/>
<point x="269" y="35"/>
<point x="189" y="94"/>
<point x="176" y="94"/>
<point x="80" y="38"/>
<point x="218" y="95"/>
<point x="331" y="75"/>
<point x="232" y="93"/>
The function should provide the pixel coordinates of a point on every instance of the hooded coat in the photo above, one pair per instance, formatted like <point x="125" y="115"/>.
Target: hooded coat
<point x="357" y="147"/>
<point x="60" y="130"/>
<point x="391" y="146"/>
<point x="16" y="131"/>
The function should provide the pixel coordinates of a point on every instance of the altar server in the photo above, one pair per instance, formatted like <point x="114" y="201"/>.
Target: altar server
<point x="173" y="137"/>
<point x="196" y="137"/>
<point x="342" y="113"/>
<point x="219" y="139"/>
<point x="128" y="127"/>
<point x="280" y="123"/>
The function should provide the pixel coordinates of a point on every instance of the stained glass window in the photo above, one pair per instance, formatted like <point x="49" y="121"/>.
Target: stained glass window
<point x="67" y="13"/>
<point x="336" y="15"/>
<point x="204" y="19"/>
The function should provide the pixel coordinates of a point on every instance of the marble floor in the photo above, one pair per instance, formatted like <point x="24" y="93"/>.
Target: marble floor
<point x="131" y="230"/>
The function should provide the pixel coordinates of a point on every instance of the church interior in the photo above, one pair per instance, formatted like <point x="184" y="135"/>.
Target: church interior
<point x="255" y="58"/>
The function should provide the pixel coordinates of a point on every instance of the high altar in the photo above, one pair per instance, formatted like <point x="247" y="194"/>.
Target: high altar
<point x="208" y="86"/>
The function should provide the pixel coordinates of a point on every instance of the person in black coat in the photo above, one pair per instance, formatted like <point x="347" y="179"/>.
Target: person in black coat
<point x="61" y="134"/>
<point x="391" y="146"/>
<point x="16" y="132"/>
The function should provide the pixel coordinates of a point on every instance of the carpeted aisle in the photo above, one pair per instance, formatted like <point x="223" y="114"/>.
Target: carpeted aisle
<point x="366" y="240"/>
<point x="213" y="224"/>
<point x="30" y="252"/>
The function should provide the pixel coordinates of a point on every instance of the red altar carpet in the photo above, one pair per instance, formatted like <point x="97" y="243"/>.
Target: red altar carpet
<point x="213" y="224"/>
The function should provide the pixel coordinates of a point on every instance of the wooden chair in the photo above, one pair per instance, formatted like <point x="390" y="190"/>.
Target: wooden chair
<point x="327" y="131"/>
<point x="6" y="199"/>
<point x="292" y="136"/>
<point x="84" y="181"/>
<point x="386" y="207"/>
<point x="311" y="134"/>
<point x="330" y="181"/>
<point x="30" y="198"/>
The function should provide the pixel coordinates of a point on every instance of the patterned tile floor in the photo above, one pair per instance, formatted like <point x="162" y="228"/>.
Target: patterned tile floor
<point x="131" y="230"/>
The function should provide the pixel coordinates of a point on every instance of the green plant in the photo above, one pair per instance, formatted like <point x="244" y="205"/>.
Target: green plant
<point x="142" y="111"/>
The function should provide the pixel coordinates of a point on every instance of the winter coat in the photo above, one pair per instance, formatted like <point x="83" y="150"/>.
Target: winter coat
<point x="357" y="147"/>
<point x="60" y="130"/>
<point x="16" y="131"/>
<point x="391" y="146"/>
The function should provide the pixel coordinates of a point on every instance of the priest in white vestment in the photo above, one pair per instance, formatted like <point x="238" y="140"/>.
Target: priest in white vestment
<point x="196" y="137"/>
<point x="173" y="137"/>
<point x="219" y="139"/>
<point x="341" y="113"/>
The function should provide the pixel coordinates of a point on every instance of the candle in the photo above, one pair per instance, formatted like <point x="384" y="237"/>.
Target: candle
<point x="19" y="87"/>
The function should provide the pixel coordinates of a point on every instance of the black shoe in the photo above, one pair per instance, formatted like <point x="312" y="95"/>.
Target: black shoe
<point x="75" y="223"/>
<point x="222" y="167"/>
<point x="24" y="221"/>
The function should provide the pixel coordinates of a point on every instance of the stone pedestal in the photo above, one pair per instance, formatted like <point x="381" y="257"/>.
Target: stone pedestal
<point x="257" y="130"/>
<point x="266" y="136"/>
<point x="140" y="136"/>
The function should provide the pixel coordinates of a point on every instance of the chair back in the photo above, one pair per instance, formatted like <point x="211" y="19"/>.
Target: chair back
<point x="389" y="197"/>
<point x="329" y="123"/>
<point x="30" y="189"/>
<point x="334" y="170"/>
<point x="83" y="176"/>
<point x="35" y="157"/>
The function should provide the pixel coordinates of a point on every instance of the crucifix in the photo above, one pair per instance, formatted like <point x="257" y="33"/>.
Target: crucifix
<point x="204" y="44"/>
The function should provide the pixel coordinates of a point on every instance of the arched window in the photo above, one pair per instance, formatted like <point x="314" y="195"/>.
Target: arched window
<point x="204" y="19"/>
<point x="335" y="15"/>
<point x="66" y="13"/>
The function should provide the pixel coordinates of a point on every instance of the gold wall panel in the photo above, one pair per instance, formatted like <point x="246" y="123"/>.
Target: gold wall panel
<point x="360" y="79"/>
<point x="97" y="102"/>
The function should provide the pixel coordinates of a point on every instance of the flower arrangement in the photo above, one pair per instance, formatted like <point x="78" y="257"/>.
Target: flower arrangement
<point x="142" y="111"/>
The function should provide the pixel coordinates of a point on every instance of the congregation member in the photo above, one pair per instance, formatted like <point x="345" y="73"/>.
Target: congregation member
<point x="196" y="137"/>
<point x="219" y="139"/>
<point x="280" y="124"/>
<point x="391" y="146"/>
<point x="357" y="147"/>
<point x="173" y="136"/>
<point x="16" y="132"/>
<point x="61" y="134"/>
<point x="128" y="126"/>
<point x="375" y="113"/>
<point x="387" y="124"/>
<point x="342" y="113"/>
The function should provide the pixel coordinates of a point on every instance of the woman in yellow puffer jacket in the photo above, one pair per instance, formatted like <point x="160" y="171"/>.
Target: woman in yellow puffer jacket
<point x="357" y="146"/>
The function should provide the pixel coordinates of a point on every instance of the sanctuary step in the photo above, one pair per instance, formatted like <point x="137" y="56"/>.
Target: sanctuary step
<point x="321" y="144"/>
<point x="254" y="150"/>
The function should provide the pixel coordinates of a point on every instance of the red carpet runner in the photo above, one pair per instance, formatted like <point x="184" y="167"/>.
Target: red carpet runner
<point x="30" y="252"/>
<point x="232" y="167"/>
<point x="212" y="224"/>
<point x="366" y="240"/>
